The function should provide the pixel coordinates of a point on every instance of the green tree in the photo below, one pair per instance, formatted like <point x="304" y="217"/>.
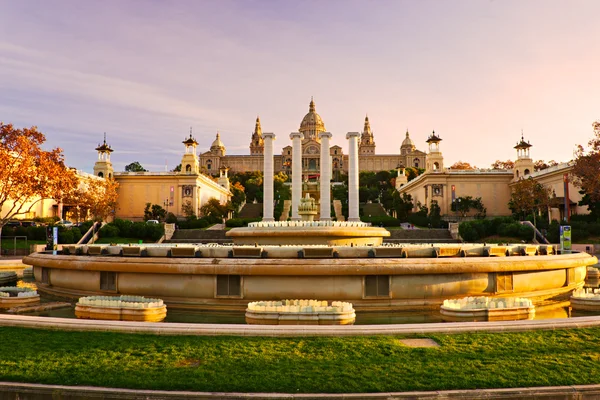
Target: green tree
<point x="214" y="210"/>
<point x="135" y="167"/>
<point x="154" y="211"/>
<point x="463" y="205"/>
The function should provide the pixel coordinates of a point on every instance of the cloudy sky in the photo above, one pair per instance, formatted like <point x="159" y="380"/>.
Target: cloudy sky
<point x="477" y="72"/>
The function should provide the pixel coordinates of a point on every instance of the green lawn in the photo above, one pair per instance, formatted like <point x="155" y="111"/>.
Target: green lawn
<point x="9" y="243"/>
<point x="300" y="365"/>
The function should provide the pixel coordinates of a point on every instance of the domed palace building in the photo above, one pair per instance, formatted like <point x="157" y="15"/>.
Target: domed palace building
<point x="312" y="124"/>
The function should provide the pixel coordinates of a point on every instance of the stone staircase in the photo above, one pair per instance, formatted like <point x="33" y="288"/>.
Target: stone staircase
<point x="373" y="210"/>
<point x="199" y="236"/>
<point x="285" y="214"/>
<point x="251" y="210"/>
<point x="337" y="209"/>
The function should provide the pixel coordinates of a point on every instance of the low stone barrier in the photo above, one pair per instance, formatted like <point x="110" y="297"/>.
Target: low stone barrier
<point x="11" y="296"/>
<point x="483" y="308"/>
<point x="121" y="308"/>
<point x="300" y="312"/>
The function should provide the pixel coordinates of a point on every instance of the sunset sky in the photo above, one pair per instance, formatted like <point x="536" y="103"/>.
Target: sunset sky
<point x="477" y="72"/>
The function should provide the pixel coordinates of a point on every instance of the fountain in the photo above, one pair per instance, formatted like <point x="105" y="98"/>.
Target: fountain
<point x="11" y="296"/>
<point x="121" y="308"/>
<point x="484" y="308"/>
<point x="303" y="259"/>
<point x="300" y="312"/>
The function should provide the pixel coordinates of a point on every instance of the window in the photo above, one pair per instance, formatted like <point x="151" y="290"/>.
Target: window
<point x="108" y="280"/>
<point x="188" y="168"/>
<point x="229" y="285"/>
<point x="101" y="175"/>
<point x="377" y="286"/>
<point x="46" y="275"/>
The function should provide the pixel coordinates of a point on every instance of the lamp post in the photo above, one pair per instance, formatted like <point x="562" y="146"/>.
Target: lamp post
<point x="166" y="204"/>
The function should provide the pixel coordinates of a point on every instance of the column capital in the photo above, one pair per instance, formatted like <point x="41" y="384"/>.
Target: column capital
<point x="268" y="135"/>
<point x="325" y="135"/>
<point x="296" y="135"/>
<point x="351" y="135"/>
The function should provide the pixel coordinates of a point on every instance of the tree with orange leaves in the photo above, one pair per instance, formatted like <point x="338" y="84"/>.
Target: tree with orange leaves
<point x="462" y="165"/>
<point x="586" y="171"/>
<point x="28" y="173"/>
<point x="95" y="197"/>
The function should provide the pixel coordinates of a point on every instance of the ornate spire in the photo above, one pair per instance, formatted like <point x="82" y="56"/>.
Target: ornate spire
<point x="367" y="127"/>
<point x="311" y="106"/>
<point x="257" y="128"/>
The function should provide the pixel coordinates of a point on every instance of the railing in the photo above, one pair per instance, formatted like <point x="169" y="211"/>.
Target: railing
<point x="537" y="234"/>
<point x="15" y="244"/>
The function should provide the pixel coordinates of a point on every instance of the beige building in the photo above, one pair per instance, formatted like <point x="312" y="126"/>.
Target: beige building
<point x="171" y="190"/>
<point x="310" y="126"/>
<point x="446" y="185"/>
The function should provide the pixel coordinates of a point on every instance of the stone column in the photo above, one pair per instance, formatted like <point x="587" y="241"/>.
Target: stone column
<point x="325" y="202"/>
<point x="268" y="177"/>
<point x="296" y="173"/>
<point x="353" y="176"/>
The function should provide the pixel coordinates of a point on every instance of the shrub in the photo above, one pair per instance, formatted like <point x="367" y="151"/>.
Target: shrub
<point x="65" y="236"/>
<point x="124" y="226"/>
<point x="509" y="229"/>
<point x="109" y="230"/>
<point x="85" y="226"/>
<point x="467" y="232"/>
<point x="418" y="219"/>
<point x="36" y="232"/>
<point x="154" y="232"/>
<point x="139" y="230"/>
<point x="171" y="218"/>
<point x="76" y="234"/>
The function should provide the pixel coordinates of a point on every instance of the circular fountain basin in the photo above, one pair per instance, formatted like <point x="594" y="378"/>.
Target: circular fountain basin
<point x="308" y="233"/>
<point x="372" y="278"/>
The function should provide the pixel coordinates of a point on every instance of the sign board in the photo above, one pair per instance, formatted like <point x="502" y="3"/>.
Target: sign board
<point x="565" y="239"/>
<point x="54" y="239"/>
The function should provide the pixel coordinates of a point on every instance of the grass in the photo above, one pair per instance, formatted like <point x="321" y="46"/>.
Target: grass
<point x="300" y="365"/>
<point x="9" y="243"/>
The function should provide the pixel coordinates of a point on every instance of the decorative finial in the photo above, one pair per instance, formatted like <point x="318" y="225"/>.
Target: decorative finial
<point x="521" y="134"/>
<point x="104" y="137"/>
<point x="311" y="107"/>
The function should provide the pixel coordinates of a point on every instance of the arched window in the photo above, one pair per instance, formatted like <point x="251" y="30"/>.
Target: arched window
<point x="526" y="172"/>
<point x="208" y="164"/>
<point x="517" y="173"/>
<point x="335" y="152"/>
<point x="436" y="166"/>
<point x="101" y="174"/>
<point x="416" y="163"/>
<point x="188" y="169"/>
<point x="109" y="175"/>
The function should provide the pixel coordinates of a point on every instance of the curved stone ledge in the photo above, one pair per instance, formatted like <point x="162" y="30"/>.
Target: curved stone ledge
<point x="70" y="324"/>
<point x="34" y="391"/>
<point x="295" y="266"/>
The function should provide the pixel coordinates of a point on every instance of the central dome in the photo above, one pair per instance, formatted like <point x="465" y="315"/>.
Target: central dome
<point x="312" y="123"/>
